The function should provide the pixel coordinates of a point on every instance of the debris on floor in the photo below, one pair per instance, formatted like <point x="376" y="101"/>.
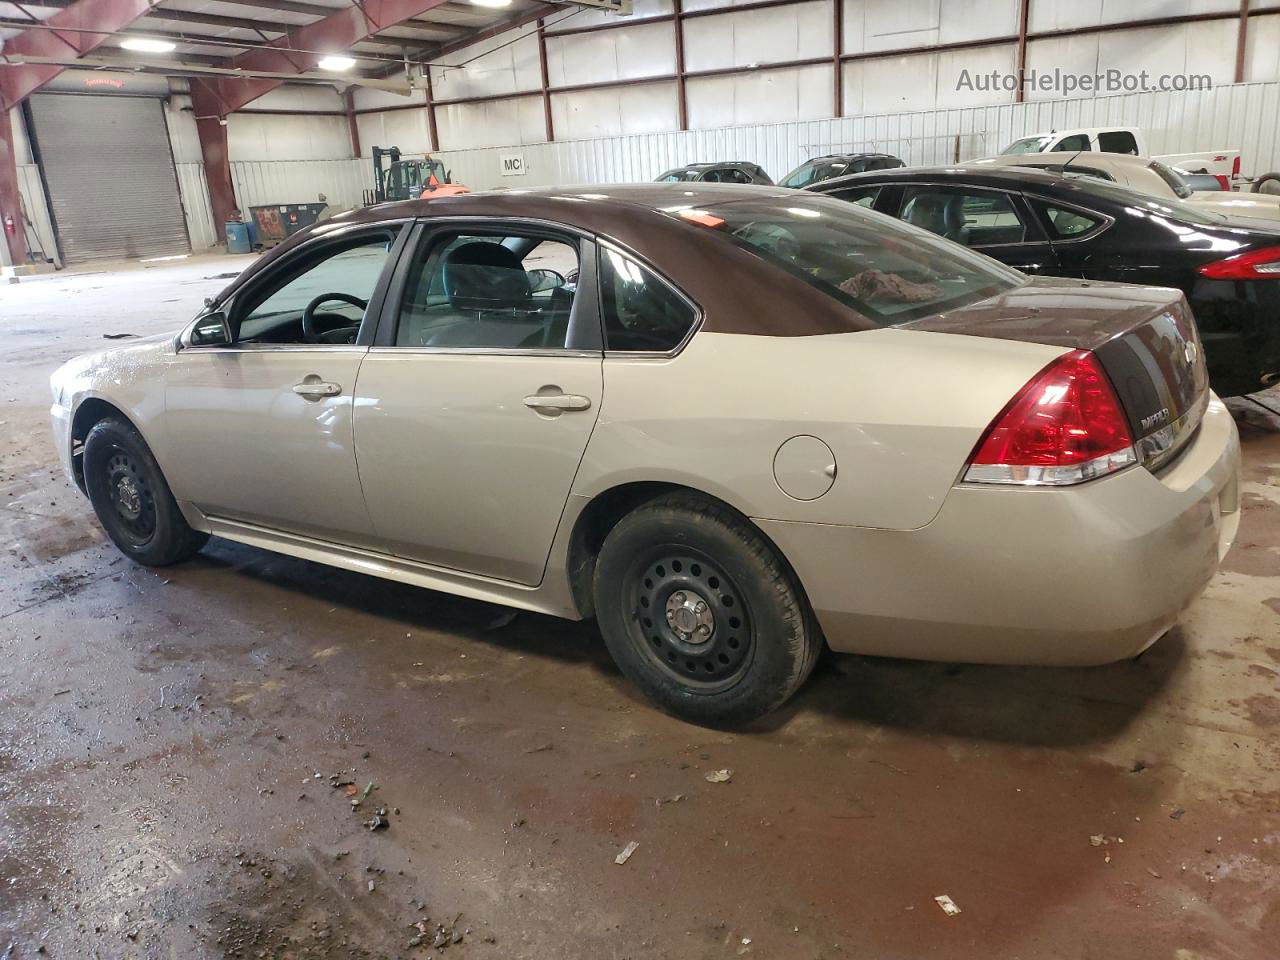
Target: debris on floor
<point x="119" y="336"/>
<point x="947" y="904"/>
<point x="719" y="776"/>
<point x="626" y="853"/>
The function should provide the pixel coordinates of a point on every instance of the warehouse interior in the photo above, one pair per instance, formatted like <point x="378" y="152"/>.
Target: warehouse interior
<point x="262" y="752"/>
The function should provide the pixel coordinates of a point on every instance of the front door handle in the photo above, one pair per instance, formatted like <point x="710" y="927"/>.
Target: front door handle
<point x="315" y="389"/>
<point x="558" y="401"/>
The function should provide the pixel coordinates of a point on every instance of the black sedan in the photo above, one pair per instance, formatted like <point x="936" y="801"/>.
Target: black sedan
<point x="833" y="165"/>
<point x="724" y="171"/>
<point x="1075" y="226"/>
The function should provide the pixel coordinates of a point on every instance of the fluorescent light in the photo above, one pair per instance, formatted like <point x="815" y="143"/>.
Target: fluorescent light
<point x="335" y="62"/>
<point x="491" y="3"/>
<point x="147" y="45"/>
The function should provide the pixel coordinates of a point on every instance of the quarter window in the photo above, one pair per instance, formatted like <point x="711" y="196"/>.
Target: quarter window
<point x="974" y="218"/>
<point x="1067" y="224"/>
<point x="491" y="291"/>
<point x="641" y="313"/>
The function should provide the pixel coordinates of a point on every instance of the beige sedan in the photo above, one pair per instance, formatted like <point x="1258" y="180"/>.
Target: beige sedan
<point x="730" y="423"/>
<point x="1147" y="176"/>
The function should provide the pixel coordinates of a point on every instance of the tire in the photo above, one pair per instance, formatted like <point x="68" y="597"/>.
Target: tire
<point x="132" y="499"/>
<point x="1267" y="183"/>
<point x="738" y="656"/>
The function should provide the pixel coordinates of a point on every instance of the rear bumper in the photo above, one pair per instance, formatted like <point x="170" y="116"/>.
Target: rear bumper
<point x="60" y="418"/>
<point x="1077" y="576"/>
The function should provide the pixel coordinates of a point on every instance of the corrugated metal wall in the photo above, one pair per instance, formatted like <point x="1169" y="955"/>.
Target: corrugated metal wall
<point x="195" y="203"/>
<point x="36" y="208"/>
<point x="1235" y="116"/>
<point x="259" y="182"/>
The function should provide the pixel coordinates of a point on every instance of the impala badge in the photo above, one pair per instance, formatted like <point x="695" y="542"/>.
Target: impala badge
<point x="1160" y="416"/>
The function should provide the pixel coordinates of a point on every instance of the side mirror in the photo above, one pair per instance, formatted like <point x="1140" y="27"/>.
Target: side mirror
<point x="211" y="330"/>
<point x="542" y="279"/>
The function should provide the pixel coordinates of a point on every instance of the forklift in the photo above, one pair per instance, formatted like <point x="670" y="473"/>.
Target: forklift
<point x="409" y="179"/>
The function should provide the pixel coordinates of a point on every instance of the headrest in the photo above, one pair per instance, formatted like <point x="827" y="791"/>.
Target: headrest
<point x="485" y="276"/>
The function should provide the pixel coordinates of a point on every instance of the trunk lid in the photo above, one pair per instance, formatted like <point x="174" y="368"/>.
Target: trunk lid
<point x="1144" y="337"/>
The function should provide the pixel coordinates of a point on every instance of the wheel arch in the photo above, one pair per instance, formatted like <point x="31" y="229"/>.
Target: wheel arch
<point x="603" y="512"/>
<point x="90" y="411"/>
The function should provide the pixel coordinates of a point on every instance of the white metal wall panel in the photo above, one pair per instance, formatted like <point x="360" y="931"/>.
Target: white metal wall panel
<point x="272" y="137"/>
<point x="624" y="53"/>
<point x="113" y="191"/>
<point x="342" y="182"/>
<point x="640" y="10"/>
<point x="798" y="92"/>
<point x="410" y="130"/>
<point x="1069" y="14"/>
<point x="800" y="31"/>
<point x="876" y="86"/>
<point x="492" y="123"/>
<point x="1262" y="48"/>
<point x="615" y="111"/>
<point x="505" y="64"/>
<point x="194" y="190"/>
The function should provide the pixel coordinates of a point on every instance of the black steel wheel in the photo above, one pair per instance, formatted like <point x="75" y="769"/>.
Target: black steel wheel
<point x="690" y="618"/>
<point x="131" y="498"/>
<point x="701" y="613"/>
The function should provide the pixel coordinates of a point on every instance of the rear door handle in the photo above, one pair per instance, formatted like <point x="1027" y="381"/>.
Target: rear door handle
<point x="315" y="389"/>
<point x="558" y="401"/>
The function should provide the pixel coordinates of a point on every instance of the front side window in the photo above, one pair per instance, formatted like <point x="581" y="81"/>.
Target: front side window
<point x="1078" y="141"/>
<point x="885" y="270"/>
<point x="976" y="218"/>
<point x="319" y="299"/>
<point x="640" y="312"/>
<point x="489" y="291"/>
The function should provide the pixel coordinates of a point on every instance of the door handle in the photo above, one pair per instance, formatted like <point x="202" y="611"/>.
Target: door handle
<point x="558" y="401"/>
<point x="315" y="389"/>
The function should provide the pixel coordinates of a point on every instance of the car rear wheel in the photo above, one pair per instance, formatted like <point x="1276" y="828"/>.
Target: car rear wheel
<point x="700" y="612"/>
<point x="132" y="499"/>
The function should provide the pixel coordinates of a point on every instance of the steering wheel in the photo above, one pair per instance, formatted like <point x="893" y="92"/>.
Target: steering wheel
<point x="309" y="332"/>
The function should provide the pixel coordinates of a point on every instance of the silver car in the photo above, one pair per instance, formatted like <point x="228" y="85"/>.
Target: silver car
<point x="730" y="423"/>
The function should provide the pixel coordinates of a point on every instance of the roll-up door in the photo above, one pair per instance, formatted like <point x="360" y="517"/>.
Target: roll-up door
<point x="109" y="172"/>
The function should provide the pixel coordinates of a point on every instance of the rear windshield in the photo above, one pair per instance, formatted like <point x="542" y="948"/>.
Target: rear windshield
<point x="1159" y="206"/>
<point x="886" y="270"/>
<point x="815" y="171"/>
<point x="676" y="176"/>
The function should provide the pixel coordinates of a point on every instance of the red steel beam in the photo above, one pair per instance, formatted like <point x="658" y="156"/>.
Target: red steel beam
<point x="1024" y="13"/>
<point x="546" y="83"/>
<point x="837" y="68"/>
<point x="20" y="80"/>
<point x="335" y="33"/>
<point x="682" y="99"/>
<point x="1242" y="40"/>
<point x="211" y="127"/>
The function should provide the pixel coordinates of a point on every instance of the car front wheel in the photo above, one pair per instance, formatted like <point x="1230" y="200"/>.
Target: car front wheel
<point x="132" y="499"/>
<point x="700" y="612"/>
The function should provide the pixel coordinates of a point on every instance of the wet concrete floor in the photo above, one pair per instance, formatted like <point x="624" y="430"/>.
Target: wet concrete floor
<point x="169" y="743"/>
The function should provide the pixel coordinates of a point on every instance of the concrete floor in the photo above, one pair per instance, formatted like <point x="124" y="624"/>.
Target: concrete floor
<point x="167" y="742"/>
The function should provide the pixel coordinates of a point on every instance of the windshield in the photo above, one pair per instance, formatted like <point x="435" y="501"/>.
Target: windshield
<point x="678" y="176"/>
<point x="816" y="171"/>
<point x="1170" y="176"/>
<point x="1026" y="145"/>
<point x="884" y="269"/>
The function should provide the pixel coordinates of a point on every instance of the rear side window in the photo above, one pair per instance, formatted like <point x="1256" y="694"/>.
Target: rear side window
<point x="976" y="218"/>
<point x="863" y="196"/>
<point x="1118" y="141"/>
<point x="641" y="313"/>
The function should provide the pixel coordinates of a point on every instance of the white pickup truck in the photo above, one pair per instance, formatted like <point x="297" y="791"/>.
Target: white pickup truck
<point x="1222" y="164"/>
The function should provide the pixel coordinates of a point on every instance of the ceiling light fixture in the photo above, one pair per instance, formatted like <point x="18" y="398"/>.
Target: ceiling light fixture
<point x="335" y="62"/>
<point x="148" y="45"/>
<point x="491" y="3"/>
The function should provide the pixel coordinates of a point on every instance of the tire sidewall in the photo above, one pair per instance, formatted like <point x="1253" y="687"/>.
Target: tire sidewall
<point x="780" y="634"/>
<point x="169" y="537"/>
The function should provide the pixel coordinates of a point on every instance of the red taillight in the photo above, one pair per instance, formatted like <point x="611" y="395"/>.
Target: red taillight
<point x="1223" y="182"/>
<point x="1235" y="168"/>
<point x="1064" y="427"/>
<point x="1261" y="264"/>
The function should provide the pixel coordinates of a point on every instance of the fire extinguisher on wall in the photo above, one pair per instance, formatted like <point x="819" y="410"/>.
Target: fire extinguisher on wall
<point x="10" y="228"/>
